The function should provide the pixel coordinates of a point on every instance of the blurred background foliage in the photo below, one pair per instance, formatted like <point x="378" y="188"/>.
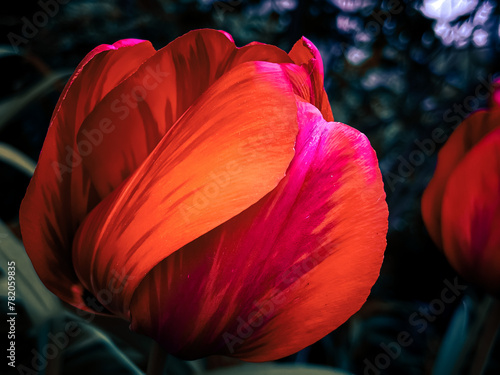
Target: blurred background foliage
<point x="396" y="70"/>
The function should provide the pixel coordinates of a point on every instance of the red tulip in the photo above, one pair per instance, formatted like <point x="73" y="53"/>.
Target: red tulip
<point x="461" y="205"/>
<point x="203" y="193"/>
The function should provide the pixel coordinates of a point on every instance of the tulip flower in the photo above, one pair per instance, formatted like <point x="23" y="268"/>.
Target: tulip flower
<point x="204" y="193"/>
<point x="461" y="204"/>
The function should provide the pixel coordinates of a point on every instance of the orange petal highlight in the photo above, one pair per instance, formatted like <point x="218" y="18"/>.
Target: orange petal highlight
<point x="139" y="112"/>
<point x="226" y="152"/>
<point x="286" y="271"/>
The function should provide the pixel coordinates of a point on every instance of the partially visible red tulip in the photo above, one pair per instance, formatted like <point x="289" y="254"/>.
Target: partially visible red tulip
<point x="203" y="193"/>
<point x="461" y="205"/>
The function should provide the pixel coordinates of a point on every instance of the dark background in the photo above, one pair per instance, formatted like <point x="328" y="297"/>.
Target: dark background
<point x="395" y="70"/>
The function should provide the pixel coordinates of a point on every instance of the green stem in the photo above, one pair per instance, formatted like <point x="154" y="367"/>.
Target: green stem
<point x="487" y="339"/>
<point x="157" y="360"/>
<point x="473" y="334"/>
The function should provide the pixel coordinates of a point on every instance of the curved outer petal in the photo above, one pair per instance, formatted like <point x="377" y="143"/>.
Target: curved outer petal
<point x="226" y="152"/>
<point x="60" y="193"/>
<point x="466" y="135"/>
<point x="285" y="272"/>
<point x="140" y="111"/>
<point x="471" y="214"/>
<point x="305" y="53"/>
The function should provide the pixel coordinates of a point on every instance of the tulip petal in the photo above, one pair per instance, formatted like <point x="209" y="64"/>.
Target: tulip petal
<point x="60" y="193"/>
<point x="140" y="111"/>
<point x="305" y="53"/>
<point x="466" y="135"/>
<point x="471" y="214"/>
<point x="225" y="153"/>
<point x="287" y="271"/>
<point x="228" y="36"/>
